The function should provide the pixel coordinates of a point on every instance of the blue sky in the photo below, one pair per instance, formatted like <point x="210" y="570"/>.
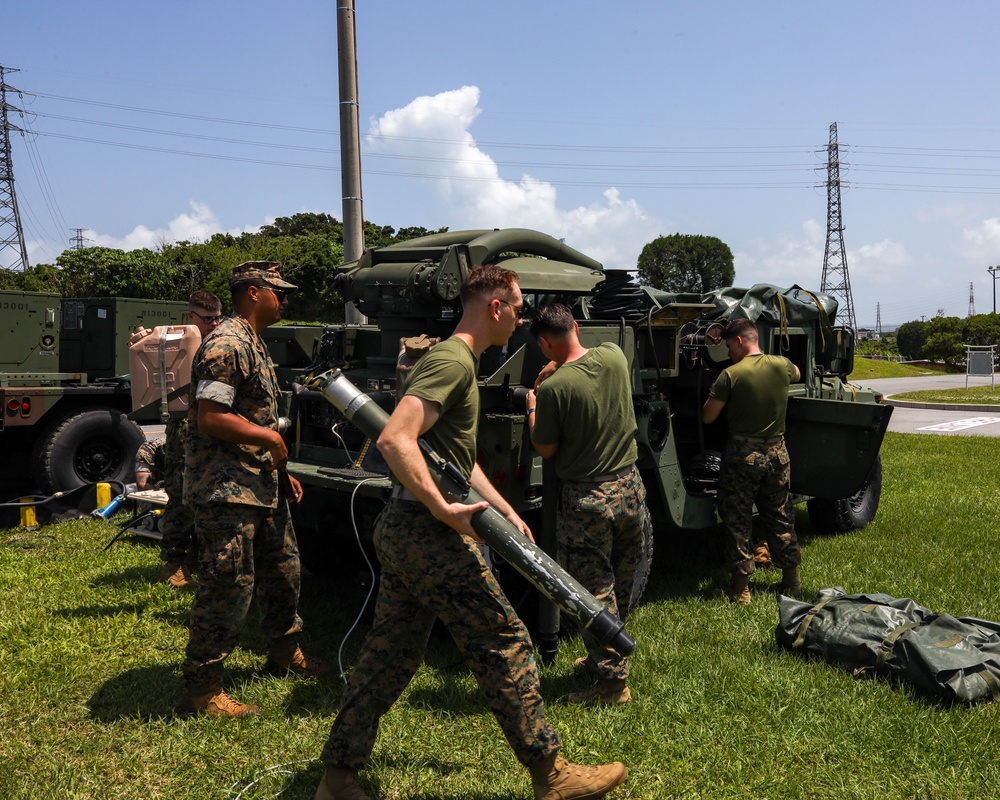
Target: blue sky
<point x="604" y="124"/>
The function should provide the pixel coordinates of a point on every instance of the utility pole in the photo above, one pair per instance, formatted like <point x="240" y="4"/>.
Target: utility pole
<point x="993" y="271"/>
<point x="350" y="144"/>
<point x="11" y="232"/>
<point x="835" y="277"/>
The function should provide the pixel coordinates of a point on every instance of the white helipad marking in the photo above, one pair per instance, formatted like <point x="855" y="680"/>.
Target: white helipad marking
<point x="961" y="424"/>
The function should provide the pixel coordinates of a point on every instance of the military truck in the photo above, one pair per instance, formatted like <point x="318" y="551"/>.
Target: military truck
<point x="65" y="388"/>
<point x="410" y="294"/>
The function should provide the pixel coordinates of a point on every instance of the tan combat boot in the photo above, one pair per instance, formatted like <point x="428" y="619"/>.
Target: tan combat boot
<point x="339" y="784"/>
<point x="584" y="666"/>
<point x="762" y="556"/>
<point x="212" y="700"/>
<point x="287" y="656"/>
<point x="605" y="692"/>
<point x="789" y="584"/>
<point x="556" y="779"/>
<point x="178" y="576"/>
<point x="739" y="590"/>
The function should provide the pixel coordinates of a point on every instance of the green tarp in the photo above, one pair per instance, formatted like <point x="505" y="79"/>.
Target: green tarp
<point x="957" y="658"/>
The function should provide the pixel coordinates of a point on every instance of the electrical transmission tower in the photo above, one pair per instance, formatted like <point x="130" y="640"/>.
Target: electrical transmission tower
<point x="878" y="321"/>
<point x="11" y="233"/>
<point x="835" y="278"/>
<point x="972" y="302"/>
<point x="79" y="241"/>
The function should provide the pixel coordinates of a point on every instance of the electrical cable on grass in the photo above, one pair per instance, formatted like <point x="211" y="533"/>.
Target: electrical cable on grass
<point x="371" y="587"/>
<point x="279" y="769"/>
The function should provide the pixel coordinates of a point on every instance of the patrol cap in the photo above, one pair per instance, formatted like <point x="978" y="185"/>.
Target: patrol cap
<point x="267" y="271"/>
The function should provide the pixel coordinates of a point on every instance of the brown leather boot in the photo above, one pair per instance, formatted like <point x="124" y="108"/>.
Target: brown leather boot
<point x="584" y="666"/>
<point x="339" y="784"/>
<point x="287" y="656"/>
<point x="556" y="779"/>
<point x="762" y="556"/>
<point x="212" y="700"/>
<point x="605" y="692"/>
<point x="178" y="576"/>
<point x="789" y="584"/>
<point x="739" y="590"/>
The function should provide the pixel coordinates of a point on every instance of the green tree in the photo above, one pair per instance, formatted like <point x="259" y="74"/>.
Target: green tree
<point x="686" y="263"/>
<point x="910" y="339"/>
<point x="105" y="272"/>
<point x="39" y="278"/>
<point x="945" y="340"/>
<point x="982" y="329"/>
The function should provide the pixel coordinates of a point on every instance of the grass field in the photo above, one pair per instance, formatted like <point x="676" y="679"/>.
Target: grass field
<point x="91" y="646"/>
<point x="871" y="369"/>
<point x="974" y="395"/>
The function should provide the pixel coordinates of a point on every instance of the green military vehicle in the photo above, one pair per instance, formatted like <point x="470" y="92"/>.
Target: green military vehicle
<point x="65" y="388"/>
<point x="672" y="342"/>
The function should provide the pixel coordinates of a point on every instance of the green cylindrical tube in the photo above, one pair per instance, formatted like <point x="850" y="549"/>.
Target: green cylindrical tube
<point x="540" y="569"/>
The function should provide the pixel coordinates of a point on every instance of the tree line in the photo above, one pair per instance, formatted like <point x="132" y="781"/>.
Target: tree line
<point x="309" y="245"/>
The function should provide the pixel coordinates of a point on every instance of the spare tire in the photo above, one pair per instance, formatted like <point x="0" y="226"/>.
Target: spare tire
<point x="850" y="513"/>
<point x="87" y="446"/>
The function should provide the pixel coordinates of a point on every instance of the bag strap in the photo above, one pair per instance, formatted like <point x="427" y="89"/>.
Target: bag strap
<point x="890" y="641"/>
<point x="807" y="621"/>
<point x="991" y="682"/>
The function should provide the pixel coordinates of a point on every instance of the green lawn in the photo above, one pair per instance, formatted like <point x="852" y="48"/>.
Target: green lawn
<point x="91" y="647"/>
<point x="871" y="369"/>
<point x="974" y="395"/>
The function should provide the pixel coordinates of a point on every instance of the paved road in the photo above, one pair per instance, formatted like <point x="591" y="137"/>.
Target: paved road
<point x="937" y="419"/>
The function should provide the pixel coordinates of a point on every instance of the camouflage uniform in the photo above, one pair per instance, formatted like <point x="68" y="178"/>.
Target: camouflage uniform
<point x="150" y="458"/>
<point x="586" y="408"/>
<point x="755" y="464"/>
<point x="756" y="472"/>
<point x="177" y="522"/>
<point x="430" y="571"/>
<point x="601" y="530"/>
<point x="245" y="536"/>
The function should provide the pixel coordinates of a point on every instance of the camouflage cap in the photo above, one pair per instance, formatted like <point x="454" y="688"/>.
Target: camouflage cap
<point x="267" y="271"/>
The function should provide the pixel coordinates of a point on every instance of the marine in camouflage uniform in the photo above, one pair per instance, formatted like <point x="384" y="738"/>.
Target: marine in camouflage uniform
<point x="150" y="462"/>
<point x="245" y="538"/>
<point x="177" y="546"/>
<point x="582" y="416"/>
<point x="755" y="463"/>
<point x="432" y="567"/>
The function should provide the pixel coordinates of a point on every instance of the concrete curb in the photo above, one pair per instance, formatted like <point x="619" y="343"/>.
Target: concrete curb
<point x="940" y="406"/>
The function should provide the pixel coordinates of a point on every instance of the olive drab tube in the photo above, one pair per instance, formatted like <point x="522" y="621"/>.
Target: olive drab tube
<point x="540" y="569"/>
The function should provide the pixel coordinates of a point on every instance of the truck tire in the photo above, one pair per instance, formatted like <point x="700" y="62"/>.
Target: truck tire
<point x="851" y="513"/>
<point x="87" y="446"/>
<point x="642" y="570"/>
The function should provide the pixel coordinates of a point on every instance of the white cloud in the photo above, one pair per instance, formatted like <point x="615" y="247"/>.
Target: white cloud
<point x="197" y="226"/>
<point x="982" y="243"/>
<point x="432" y="134"/>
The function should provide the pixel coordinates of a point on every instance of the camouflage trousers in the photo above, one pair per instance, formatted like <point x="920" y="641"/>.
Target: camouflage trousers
<point x="757" y="474"/>
<point x="177" y="522"/>
<point x="429" y="571"/>
<point x="600" y="534"/>
<point x="241" y="549"/>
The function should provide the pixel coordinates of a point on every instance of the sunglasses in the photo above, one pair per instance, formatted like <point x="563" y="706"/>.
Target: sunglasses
<point x="281" y="294"/>
<point x="520" y="310"/>
<point x="208" y="320"/>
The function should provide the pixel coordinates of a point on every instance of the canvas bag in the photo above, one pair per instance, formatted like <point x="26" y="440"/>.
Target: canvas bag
<point x="957" y="658"/>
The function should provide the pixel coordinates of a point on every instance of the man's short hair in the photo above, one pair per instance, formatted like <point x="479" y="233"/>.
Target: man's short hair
<point x="204" y="299"/>
<point x="744" y="327"/>
<point x="554" y="321"/>
<point x="485" y="282"/>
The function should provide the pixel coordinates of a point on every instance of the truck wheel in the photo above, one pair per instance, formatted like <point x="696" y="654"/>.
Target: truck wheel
<point x="95" y="444"/>
<point x="642" y="570"/>
<point x="851" y="513"/>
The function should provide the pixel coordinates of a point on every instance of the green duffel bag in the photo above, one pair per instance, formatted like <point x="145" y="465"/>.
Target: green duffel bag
<point x="957" y="658"/>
